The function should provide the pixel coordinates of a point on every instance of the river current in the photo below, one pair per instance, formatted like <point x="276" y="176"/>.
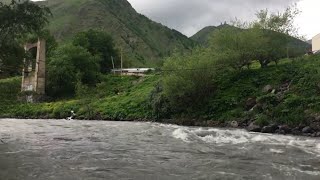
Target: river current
<point x="67" y="150"/>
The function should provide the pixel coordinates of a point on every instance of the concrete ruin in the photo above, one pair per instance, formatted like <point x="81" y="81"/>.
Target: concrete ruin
<point x="34" y="75"/>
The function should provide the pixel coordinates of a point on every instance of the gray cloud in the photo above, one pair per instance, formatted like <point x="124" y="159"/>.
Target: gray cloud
<point x="189" y="16"/>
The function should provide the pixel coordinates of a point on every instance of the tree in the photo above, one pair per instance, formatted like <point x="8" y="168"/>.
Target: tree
<point x="273" y="48"/>
<point x="237" y="47"/>
<point x="98" y="43"/>
<point x="17" y="19"/>
<point x="278" y="22"/>
<point x="266" y="39"/>
<point x="69" y="65"/>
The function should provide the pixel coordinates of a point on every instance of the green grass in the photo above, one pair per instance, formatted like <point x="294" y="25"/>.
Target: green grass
<point x="115" y="98"/>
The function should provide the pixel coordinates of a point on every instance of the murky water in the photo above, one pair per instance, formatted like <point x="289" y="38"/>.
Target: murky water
<point x="58" y="149"/>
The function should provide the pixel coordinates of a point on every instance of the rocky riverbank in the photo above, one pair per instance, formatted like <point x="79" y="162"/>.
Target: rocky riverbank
<point x="312" y="130"/>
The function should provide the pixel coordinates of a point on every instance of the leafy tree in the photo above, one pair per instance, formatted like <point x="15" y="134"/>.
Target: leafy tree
<point x="273" y="48"/>
<point x="237" y="47"/>
<point x="98" y="43"/>
<point x="266" y="39"/>
<point x="17" y="19"/>
<point x="278" y="22"/>
<point x="69" y="65"/>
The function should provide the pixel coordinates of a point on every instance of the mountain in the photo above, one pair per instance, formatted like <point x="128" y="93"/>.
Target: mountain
<point x="204" y="34"/>
<point x="142" y="40"/>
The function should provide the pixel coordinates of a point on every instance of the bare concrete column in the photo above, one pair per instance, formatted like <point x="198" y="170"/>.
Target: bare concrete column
<point x="34" y="79"/>
<point x="40" y="72"/>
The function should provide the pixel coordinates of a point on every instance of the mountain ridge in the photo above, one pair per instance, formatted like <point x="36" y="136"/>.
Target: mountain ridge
<point x="142" y="40"/>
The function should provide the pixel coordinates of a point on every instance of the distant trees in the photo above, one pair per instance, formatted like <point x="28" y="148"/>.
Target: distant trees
<point x="265" y="40"/>
<point x="80" y="63"/>
<point x="278" y="22"/>
<point x="17" y="19"/>
<point x="236" y="47"/>
<point x="98" y="43"/>
<point x="68" y="66"/>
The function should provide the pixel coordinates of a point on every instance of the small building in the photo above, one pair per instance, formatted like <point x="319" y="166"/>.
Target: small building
<point x="132" y="71"/>
<point x="316" y="43"/>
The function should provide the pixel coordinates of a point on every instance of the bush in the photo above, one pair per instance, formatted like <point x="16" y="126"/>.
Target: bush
<point x="189" y="80"/>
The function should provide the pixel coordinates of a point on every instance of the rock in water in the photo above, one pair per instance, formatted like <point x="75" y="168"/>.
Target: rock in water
<point x="254" y="128"/>
<point x="284" y="128"/>
<point x="269" y="129"/>
<point x="307" y="130"/>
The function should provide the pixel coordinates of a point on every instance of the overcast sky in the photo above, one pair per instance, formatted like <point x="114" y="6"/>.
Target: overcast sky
<point x="189" y="16"/>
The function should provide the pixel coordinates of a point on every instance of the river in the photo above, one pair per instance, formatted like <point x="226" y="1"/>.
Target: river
<point x="67" y="150"/>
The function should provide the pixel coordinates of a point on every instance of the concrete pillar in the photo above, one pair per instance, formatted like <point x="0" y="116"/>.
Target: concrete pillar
<point x="35" y="79"/>
<point x="40" y="72"/>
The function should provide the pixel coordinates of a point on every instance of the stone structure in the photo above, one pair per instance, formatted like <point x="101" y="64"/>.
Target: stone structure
<point x="316" y="43"/>
<point x="33" y="76"/>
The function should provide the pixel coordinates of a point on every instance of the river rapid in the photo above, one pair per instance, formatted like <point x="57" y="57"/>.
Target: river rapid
<point x="67" y="150"/>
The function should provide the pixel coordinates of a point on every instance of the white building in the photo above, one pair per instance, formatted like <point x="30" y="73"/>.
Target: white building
<point x="133" y="71"/>
<point x="316" y="43"/>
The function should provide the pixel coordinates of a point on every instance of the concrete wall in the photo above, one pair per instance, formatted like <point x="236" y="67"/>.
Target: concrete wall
<point x="316" y="43"/>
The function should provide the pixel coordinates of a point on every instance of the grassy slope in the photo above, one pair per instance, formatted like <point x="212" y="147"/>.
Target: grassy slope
<point x="101" y="102"/>
<point x="142" y="39"/>
<point x="300" y="104"/>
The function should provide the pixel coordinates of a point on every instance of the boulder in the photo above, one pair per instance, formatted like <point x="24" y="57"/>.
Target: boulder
<point x="234" y="124"/>
<point x="267" y="89"/>
<point x="269" y="129"/>
<point x="254" y="128"/>
<point x="278" y="131"/>
<point x="296" y="131"/>
<point x="286" y="129"/>
<point x="307" y="130"/>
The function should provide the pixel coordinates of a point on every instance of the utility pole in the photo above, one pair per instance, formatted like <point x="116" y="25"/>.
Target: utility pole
<point x="121" y="62"/>
<point x="113" y="65"/>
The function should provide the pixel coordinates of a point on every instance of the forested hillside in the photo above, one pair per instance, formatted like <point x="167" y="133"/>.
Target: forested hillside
<point x="143" y="41"/>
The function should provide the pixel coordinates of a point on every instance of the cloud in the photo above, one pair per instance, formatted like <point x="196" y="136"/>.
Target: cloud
<point x="189" y="16"/>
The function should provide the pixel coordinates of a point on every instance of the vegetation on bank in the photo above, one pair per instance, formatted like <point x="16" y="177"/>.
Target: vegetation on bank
<point x="288" y="93"/>
<point x="115" y="98"/>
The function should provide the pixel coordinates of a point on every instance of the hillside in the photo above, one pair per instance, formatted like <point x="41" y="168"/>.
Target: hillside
<point x="203" y="36"/>
<point x="141" y="39"/>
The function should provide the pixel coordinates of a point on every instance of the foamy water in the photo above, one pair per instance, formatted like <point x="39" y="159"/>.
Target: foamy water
<point x="221" y="137"/>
